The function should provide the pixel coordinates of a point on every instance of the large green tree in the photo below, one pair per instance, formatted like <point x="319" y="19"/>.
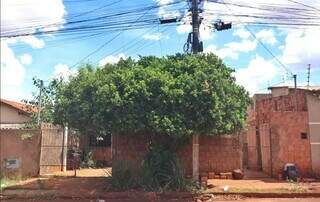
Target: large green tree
<point x="179" y="95"/>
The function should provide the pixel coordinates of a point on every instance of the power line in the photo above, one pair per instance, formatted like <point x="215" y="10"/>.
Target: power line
<point x="96" y="50"/>
<point x="106" y="43"/>
<point x="308" y="6"/>
<point x="113" y="20"/>
<point x="262" y="44"/>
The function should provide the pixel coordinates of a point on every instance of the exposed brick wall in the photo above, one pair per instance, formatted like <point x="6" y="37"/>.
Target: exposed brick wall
<point x="280" y="119"/>
<point x="220" y="153"/>
<point x="288" y="146"/>
<point x="217" y="154"/>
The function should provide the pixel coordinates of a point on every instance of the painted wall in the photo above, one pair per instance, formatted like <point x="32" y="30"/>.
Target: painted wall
<point x="15" y="144"/>
<point x="9" y="114"/>
<point x="314" y="130"/>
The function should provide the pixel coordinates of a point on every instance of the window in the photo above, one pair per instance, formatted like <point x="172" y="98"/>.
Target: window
<point x="100" y="141"/>
<point x="304" y="136"/>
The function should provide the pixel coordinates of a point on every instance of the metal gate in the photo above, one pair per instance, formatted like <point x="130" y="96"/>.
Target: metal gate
<point x="51" y="153"/>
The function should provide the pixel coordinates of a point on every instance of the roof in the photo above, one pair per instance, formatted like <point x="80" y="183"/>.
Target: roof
<point x="20" y="106"/>
<point x="308" y="88"/>
<point x="11" y="125"/>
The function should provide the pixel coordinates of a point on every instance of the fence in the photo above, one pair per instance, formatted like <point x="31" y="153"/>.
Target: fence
<point x="52" y="148"/>
<point x="29" y="152"/>
<point x="20" y="152"/>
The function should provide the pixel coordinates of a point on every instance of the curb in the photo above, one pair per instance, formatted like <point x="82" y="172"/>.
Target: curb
<point x="153" y="195"/>
<point x="269" y="195"/>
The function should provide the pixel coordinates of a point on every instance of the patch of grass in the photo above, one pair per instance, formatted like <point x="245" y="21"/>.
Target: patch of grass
<point x="10" y="181"/>
<point x="297" y="188"/>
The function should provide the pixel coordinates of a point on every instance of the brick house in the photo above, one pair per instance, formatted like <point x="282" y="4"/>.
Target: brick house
<point x="284" y="127"/>
<point x="216" y="154"/>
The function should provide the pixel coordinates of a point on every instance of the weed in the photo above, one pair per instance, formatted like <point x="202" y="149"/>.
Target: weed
<point x="123" y="177"/>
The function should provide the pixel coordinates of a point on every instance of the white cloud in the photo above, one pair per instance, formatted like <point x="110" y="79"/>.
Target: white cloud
<point x="206" y="33"/>
<point x="153" y="37"/>
<point x="29" y="16"/>
<point x="12" y="71"/>
<point x="33" y="41"/>
<point x="301" y="48"/>
<point x="238" y="12"/>
<point x="242" y="33"/>
<point x="258" y="73"/>
<point x="26" y="59"/>
<point x="244" y="13"/>
<point x="267" y="36"/>
<point x="222" y="53"/>
<point x="243" y="46"/>
<point x="163" y="2"/>
<point x="111" y="59"/>
<point x="232" y="50"/>
<point x="184" y="28"/>
<point x="24" y="17"/>
<point x="63" y="71"/>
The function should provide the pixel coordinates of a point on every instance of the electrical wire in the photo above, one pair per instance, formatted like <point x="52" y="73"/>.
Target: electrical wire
<point x="308" y="6"/>
<point x="106" y="43"/>
<point x="263" y="45"/>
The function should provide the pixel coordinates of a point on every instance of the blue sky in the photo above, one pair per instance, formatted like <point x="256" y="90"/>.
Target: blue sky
<point x="46" y="56"/>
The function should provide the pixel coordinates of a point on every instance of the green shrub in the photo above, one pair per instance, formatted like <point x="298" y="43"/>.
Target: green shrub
<point x="162" y="171"/>
<point x="87" y="160"/>
<point x="123" y="176"/>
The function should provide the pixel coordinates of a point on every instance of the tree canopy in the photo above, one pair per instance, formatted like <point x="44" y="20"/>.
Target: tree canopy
<point x="177" y="95"/>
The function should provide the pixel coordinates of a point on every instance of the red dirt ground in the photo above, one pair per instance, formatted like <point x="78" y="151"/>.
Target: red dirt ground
<point x="91" y="184"/>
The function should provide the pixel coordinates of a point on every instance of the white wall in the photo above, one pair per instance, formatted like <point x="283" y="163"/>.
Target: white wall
<point x="10" y="115"/>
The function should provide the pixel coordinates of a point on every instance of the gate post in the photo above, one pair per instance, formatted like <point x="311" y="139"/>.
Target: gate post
<point x="195" y="157"/>
<point x="65" y="149"/>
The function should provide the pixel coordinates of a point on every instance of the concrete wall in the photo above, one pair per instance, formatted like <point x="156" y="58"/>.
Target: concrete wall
<point x="216" y="154"/>
<point x="276" y="92"/>
<point x="314" y="130"/>
<point x="15" y="144"/>
<point x="9" y="114"/>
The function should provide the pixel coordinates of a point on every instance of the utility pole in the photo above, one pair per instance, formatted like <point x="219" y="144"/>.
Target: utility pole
<point x="65" y="148"/>
<point x="40" y="103"/>
<point x="195" y="27"/>
<point x="308" y="81"/>
<point x="295" y="81"/>
<point x="195" y="50"/>
<point x="196" y="47"/>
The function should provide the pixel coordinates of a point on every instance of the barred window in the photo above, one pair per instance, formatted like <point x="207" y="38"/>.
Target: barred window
<point x="100" y="141"/>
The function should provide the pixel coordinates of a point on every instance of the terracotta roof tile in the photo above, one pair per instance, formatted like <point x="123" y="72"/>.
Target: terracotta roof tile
<point x="20" y="106"/>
